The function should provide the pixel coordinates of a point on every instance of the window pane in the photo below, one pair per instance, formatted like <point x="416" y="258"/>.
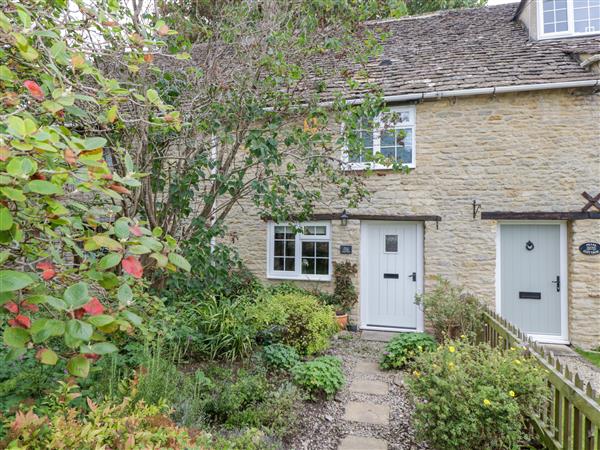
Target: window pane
<point x="561" y="15"/>
<point x="323" y="249"/>
<point x="280" y="232"/>
<point x="322" y="266"/>
<point x="308" y="266"/>
<point x="562" y="26"/>
<point x="290" y="264"/>
<point x="560" y="4"/>
<point x="367" y="139"/>
<point x="388" y="138"/>
<point x="278" y="264"/>
<point x="321" y="230"/>
<point x="309" y="231"/>
<point x="595" y="13"/>
<point x="405" y="152"/>
<point x="279" y="248"/>
<point x="308" y="249"/>
<point x="290" y="248"/>
<point x="580" y="3"/>
<point x="389" y="152"/>
<point x="549" y="28"/>
<point x="391" y="243"/>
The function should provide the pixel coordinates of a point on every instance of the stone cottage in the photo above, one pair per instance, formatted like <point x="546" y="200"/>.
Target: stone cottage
<point x="497" y="116"/>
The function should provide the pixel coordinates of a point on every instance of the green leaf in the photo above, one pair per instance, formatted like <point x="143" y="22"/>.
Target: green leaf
<point x="79" y="366"/>
<point x="179" y="261"/>
<point x="16" y="337"/>
<point x="44" y="187"/>
<point x="101" y="348"/>
<point x="109" y="261"/>
<point x="21" y="167"/>
<point x="101" y="320"/>
<point x="13" y="194"/>
<point x="11" y="280"/>
<point x="56" y="303"/>
<point x="128" y="163"/>
<point x="125" y="295"/>
<point x="43" y="329"/>
<point x="138" y="249"/>
<point x="4" y="256"/>
<point x="47" y="356"/>
<point x="16" y="126"/>
<point x="14" y="354"/>
<point x="122" y="228"/>
<point x="153" y="96"/>
<point x="151" y="243"/>
<point x="161" y="260"/>
<point x="132" y="317"/>
<point x="98" y="241"/>
<point x="6" y="220"/>
<point x="157" y="232"/>
<point x="94" y="143"/>
<point x="79" y="330"/>
<point x="77" y="295"/>
<point x="6" y="74"/>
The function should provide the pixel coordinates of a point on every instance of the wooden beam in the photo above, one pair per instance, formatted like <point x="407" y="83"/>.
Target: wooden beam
<point x="410" y="218"/>
<point x="538" y="215"/>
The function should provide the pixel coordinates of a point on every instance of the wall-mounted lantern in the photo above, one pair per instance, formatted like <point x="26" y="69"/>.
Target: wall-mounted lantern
<point x="344" y="218"/>
<point x="476" y="208"/>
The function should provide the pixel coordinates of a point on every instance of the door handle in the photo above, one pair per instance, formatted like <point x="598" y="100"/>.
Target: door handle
<point x="413" y="276"/>
<point x="557" y="282"/>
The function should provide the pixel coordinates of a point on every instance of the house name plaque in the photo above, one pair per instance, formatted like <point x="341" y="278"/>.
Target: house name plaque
<point x="590" y="248"/>
<point x="345" y="249"/>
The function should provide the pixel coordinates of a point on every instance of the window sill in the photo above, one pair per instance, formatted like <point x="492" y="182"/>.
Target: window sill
<point x="549" y="36"/>
<point x="361" y="167"/>
<point x="299" y="277"/>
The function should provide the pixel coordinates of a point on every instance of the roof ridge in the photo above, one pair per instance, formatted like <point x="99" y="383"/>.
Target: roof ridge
<point x="440" y="12"/>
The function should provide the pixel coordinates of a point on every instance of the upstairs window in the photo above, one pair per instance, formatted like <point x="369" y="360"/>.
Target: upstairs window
<point x="301" y="251"/>
<point x="560" y="18"/>
<point x="390" y="136"/>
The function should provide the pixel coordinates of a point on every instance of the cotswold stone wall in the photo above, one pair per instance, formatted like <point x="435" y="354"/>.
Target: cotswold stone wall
<point x="513" y="152"/>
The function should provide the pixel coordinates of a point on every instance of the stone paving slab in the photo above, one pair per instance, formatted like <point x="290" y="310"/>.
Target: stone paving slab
<point x="369" y="387"/>
<point x="367" y="367"/>
<point x="367" y="413"/>
<point x="379" y="336"/>
<point x="362" y="443"/>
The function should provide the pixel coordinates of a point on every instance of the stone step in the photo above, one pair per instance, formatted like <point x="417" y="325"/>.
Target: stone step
<point x="351" y="442"/>
<point x="369" y="387"/>
<point x="367" y="413"/>
<point x="367" y="367"/>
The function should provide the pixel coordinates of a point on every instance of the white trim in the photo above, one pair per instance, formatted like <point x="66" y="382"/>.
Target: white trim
<point x="412" y="125"/>
<point x="541" y="35"/>
<point x="564" y="278"/>
<point x="362" y="277"/>
<point x="297" y="275"/>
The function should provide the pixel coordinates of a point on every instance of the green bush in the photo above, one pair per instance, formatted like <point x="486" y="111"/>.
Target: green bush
<point x="320" y="378"/>
<point x="281" y="356"/>
<point x="404" y="348"/>
<point x="473" y="396"/>
<point x="309" y="324"/>
<point x="451" y="311"/>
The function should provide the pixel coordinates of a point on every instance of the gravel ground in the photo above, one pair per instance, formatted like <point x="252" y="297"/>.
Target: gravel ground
<point x="588" y="372"/>
<point x="321" y="426"/>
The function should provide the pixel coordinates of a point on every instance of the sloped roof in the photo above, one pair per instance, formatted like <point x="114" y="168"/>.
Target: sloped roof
<point x="463" y="49"/>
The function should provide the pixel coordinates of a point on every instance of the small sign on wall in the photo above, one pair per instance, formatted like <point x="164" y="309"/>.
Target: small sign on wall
<point x="345" y="249"/>
<point x="590" y="248"/>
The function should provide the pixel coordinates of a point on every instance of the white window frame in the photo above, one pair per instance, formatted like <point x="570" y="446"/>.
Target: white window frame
<point x="412" y="125"/>
<point x="570" y="23"/>
<point x="299" y="238"/>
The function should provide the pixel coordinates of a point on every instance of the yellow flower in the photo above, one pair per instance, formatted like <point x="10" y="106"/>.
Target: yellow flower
<point x="451" y="365"/>
<point x="451" y="349"/>
<point x="416" y="373"/>
<point x="517" y="362"/>
<point x="486" y="402"/>
<point x="462" y="336"/>
<point x="511" y="393"/>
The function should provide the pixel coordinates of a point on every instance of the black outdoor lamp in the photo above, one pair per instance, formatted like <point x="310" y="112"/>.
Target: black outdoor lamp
<point x="344" y="218"/>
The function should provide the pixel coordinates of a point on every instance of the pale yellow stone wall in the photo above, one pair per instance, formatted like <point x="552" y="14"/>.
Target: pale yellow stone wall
<point x="513" y="152"/>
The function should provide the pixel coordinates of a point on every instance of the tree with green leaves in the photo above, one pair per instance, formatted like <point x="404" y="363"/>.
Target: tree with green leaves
<point x="70" y="260"/>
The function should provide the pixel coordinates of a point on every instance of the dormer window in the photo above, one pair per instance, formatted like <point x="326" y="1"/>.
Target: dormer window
<point x="560" y="18"/>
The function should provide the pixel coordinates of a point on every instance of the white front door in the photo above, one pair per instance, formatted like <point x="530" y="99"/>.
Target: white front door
<point x="532" y="285"/>
<point x="391" y="275"/>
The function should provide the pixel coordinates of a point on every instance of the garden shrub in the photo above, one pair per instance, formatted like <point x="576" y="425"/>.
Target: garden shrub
<point x="309" y="324"/>
<point x="281" y="356"/>
<point x="450" y="310"/>
<point x="473" y="396"/>
<point x="404" y="348"/>
<point x="320" y="378"/>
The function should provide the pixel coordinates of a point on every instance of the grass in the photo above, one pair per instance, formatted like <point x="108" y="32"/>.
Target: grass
<point x="593" y="357"/>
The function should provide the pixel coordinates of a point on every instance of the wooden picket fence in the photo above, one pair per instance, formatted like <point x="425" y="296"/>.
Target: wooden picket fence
<point x="570" y="418"/>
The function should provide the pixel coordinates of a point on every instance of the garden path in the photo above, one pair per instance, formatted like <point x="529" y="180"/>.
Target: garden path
<point x="371" y="412"/>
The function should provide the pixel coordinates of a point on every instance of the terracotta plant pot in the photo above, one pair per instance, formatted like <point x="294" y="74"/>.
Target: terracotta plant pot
<point x="342" y="320"/>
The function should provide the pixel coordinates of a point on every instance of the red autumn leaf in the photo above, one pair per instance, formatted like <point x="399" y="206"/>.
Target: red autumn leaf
<point x="12" y="323"/>
<point x="38" y="176"/>
<point x="23" y="321"/>
<point x="92" y="356"/>
<point x="12" y="307"/>
<point x="30" y="307"/>
<point x="136" y="230"/>
<point x="148" y="57"/>
<point x="118" y="188"/>
<point x="132" y="266"/>
<point x="93" y="307"/>
<point x="107" y="176"/>
<point x="34" y="89"/>
<point x="79" y="313"/>
<point x="47" y="268"/>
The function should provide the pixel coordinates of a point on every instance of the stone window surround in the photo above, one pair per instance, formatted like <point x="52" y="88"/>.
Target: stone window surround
<point x="299" y="238"/>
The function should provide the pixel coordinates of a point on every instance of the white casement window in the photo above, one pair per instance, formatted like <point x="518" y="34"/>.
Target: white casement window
<point x="559" y="18"/>
<point x="299" y="251"/>
<point x="392" y="135"/>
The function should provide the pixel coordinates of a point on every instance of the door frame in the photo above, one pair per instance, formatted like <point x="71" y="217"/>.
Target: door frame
<point x="364" y="226"/>
<point x="564" y="278"/>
